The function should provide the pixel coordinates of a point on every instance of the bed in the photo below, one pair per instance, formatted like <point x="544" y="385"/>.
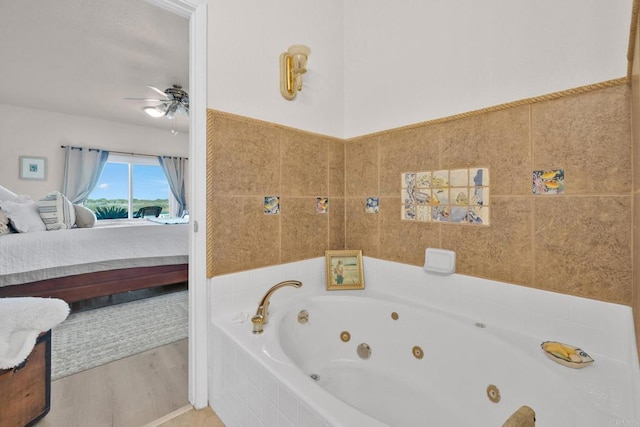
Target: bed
<point x="80" y="263"/>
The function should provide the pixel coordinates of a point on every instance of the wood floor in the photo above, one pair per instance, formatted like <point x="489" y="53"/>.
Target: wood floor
<point x="189" y="417"/>
<point x="130" y="392"/>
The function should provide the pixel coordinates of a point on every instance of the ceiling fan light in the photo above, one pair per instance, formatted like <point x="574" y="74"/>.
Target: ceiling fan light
<point x="171" y="110"/>
<point x="154" y="111"/>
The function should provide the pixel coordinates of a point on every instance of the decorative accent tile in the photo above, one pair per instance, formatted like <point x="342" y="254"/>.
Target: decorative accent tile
<point x="548" y="182"/>
<point x="459" y="178"/>
<point x="458" y="196"/>
<point x="440" y="179"/>
<point x="372" y="205"/>
<point x="478" y="177"/>
<point x="322" y="205"/>
<point x="408" y="212"/>
<point x="272" y="205"/>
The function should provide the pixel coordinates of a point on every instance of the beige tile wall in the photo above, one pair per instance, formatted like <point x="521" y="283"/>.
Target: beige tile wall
<point x="578" y="243"/>
<point x="247" y="160"/>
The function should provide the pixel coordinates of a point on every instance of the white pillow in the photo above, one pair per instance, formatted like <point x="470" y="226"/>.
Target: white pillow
<point x="56" y="211"/>
<point x="23" y="216"/>
<point x="85" y="218"/>
<point x="4" y="223"/>
<point x="6" y="194"/>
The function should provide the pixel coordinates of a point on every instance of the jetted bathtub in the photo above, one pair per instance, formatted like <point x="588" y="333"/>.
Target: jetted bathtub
<point x="426" y="351"/>
<point x="412" y="366"/>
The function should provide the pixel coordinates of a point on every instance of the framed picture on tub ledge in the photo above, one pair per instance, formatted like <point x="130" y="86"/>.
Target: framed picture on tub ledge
<point x="344" y="270"/>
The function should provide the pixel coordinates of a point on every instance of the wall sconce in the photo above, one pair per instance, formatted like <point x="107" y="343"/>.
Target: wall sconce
<point x="293" y="64"/>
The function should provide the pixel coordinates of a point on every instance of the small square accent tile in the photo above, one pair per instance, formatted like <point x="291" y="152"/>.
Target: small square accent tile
<point x="423" y="213"/>
<point x="272" y="205"/>
<point x="423" y="180"/>
<point x="409" y="212"/>
<point x="440" y="179"/>
<point x="548" y="182"/>
<point x="458" y="196"/>
<point x="408" y="180"/>
<point x="459" y="178"/>
<point x="372" y="205"/>
<point x="478" y="177"/>
<point x="322" y="205"/>
<point x="440" y="213"/>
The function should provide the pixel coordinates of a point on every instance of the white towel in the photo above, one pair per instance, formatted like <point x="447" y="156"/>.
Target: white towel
<point x="21" y="321"/>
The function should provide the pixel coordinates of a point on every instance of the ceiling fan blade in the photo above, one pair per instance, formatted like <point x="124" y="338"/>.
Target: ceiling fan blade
<point x="157" y="90"/>
<point x="148" y="100"/>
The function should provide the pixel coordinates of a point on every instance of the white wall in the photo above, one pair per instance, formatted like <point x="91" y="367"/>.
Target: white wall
<point x="377" y="64"/>
<point x="409" y="61"/>
<point x="245" y="41"/>
<point x="30" y="132"/>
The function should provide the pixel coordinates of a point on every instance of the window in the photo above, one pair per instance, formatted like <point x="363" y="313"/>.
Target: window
<point x="127" y="184"/>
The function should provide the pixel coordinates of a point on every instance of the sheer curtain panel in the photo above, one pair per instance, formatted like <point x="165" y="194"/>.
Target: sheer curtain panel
<point x="82" y="170"/>
<point x="175" y="169"/>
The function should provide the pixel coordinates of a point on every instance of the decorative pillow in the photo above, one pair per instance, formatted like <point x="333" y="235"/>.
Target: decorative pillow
<point x="6" y="194"/>
<point x="24" y="217"/>
<point x="4" y="223"/>
<point x="56" y="211"/>
<point x="85" y="218"/>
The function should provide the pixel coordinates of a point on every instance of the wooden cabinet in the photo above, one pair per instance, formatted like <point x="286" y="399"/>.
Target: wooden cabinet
<point x="25" y="391"/>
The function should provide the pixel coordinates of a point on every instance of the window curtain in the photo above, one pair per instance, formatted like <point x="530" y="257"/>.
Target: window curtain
<point x="175" y="169"/>
<point x="82" y="170"/>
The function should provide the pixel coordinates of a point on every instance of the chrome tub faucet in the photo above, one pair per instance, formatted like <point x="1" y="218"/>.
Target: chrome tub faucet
<point x="261" y="316"/>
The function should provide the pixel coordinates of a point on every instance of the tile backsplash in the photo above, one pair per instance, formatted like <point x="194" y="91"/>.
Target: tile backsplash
<point x="458" y="196"/>
<point x="577" y="242"/>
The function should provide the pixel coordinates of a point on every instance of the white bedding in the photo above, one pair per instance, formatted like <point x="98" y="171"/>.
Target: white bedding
<point x="27" y="257"/>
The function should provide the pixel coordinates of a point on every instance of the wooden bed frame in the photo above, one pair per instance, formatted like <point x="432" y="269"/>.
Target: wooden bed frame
<point x="102" y="283"/>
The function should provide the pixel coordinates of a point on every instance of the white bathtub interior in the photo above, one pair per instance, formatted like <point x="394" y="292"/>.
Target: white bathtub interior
<point x="258" y="381"/>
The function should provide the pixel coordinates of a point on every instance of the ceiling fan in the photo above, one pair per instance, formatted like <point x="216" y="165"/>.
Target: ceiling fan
<point x="176" y="101"/>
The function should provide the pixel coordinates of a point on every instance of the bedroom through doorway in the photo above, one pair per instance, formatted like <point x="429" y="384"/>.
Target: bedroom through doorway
<point x="74" y="81"/>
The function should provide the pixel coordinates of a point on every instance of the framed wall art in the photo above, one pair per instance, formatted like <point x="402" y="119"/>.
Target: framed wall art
<point x="33" y="167"/>
<point x="344" y="270"/>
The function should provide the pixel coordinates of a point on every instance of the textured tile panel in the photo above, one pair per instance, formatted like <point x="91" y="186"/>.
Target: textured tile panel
<point x="501" y="251"/>
<point x="362" y="228"/>
<point x="404" y="241"/>
<point x="305" y="164"/>
<point x="245" y="158"/>
<point x="336" y="223"/>
<point x="409" y="150"/>
<point x="589" y="136"/>
<point x="305" y="233"/>
<point x="497" y="140"/>
<point x="583" y="246"/>
<point x="361" y="168"/>
<point x="336" y="168"/>
<point x="244" y="237"/>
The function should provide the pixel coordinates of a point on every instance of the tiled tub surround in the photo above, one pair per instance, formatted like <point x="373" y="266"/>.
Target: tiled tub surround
<point x="252" y="383"/>
<point x="250" y="160"/>
<point x="577" y="243"/>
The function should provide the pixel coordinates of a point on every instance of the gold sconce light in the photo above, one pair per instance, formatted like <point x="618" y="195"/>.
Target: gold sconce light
<point x="293" y="64"/>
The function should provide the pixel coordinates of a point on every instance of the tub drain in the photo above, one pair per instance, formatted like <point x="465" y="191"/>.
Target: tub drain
<point x="315" y="377"/>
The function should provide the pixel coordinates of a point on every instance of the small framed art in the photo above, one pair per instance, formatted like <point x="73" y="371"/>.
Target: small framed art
<point x="33" y="167"/>
<point x="344" y="270"/>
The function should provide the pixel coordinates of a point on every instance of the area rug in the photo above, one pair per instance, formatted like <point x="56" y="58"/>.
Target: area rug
<point x="92" y="338"/>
